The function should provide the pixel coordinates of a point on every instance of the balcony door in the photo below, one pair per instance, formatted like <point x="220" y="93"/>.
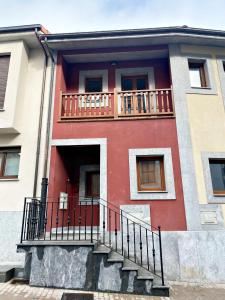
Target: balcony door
<point x="134" y="101"/>
<point x="134" y="83"/>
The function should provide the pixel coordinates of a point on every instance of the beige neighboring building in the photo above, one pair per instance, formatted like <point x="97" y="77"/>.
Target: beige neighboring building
<point x="25" y="72"/>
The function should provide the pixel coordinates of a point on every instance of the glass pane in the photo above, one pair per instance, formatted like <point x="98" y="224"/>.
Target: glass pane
<point x="217" y="170"/>
<point x="95" y="184"/>
<point x="93" y="85"/>
<point x="1" y="159"/>
<point x="141" y="84"/>
<point x="12" y="164"/>
<point x="195" y="77"/>
<point x="127" y="84"/>
<point x="150" y="174"/>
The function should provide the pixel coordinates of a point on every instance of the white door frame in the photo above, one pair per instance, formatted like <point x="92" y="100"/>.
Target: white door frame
<point x="102" y="142"/>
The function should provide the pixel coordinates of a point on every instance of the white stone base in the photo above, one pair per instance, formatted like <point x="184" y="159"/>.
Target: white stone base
<point x="194" y="256"/>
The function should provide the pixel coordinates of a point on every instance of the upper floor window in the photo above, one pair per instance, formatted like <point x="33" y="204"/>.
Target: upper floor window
<point x="93" y="85"/>
<point x="4" y="68"/>
<point x="197" y="73"/>
<point x="9" y="162"/>
<point x="150" y="173"/>
<point x="130" y="83"/>
<point x="217" y="170"/>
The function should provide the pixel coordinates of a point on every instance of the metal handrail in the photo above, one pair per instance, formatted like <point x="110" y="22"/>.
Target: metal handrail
<point x="71" y="221"/>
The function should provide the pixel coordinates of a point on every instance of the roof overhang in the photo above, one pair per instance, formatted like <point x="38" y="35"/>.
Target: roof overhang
<point x="25" y="33"/>
<point x="135" y="37"/>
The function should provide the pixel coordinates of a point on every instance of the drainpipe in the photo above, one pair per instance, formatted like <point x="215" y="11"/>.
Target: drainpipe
<point x="45" y="45"/>
<point x="40" y="118"/>
<point x="44" y="183"/>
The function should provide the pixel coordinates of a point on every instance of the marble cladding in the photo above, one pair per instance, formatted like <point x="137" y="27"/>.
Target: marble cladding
<point x="76" y="267"/>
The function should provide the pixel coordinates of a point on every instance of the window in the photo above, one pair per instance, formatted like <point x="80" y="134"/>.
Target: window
<point x="4" y="68"/>
<point x="92" y="184"/>
<point x="9" y="162"/>
<point x="197" y="73"/>
<point x="129" y="83"/>
<point x="150" y="174"/>
<point x="93" y="85"/>
<point x="217" y="170"/>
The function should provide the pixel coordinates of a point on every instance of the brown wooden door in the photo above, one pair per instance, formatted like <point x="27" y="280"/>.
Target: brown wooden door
<point x="134" y="83"/>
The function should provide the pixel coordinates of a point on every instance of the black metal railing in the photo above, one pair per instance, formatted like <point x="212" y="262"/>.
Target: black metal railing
<point x="97" y="221"/>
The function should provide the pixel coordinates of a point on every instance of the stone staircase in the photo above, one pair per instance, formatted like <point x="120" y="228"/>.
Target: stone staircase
<point x="134" y="278"/>
<point x="83" y="265"/>
<point x="121" y="254"/>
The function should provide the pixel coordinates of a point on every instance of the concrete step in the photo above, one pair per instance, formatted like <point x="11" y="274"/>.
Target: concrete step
<point x="129" y="266"/>
<point x="6" y="273"/>
<point x="115" y="257"/>
<point x="19" y="273"/>
<point x="160" y="290"/>
<point x="102" y="249"/>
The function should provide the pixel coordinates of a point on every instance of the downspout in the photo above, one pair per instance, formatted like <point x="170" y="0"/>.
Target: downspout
<point x="45" y="169"/>
<point x="40" y="117"/>
<point x="44" y="182"/>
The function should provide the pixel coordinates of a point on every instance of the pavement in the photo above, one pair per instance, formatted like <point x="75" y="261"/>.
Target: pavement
<point x="178" y="291"/>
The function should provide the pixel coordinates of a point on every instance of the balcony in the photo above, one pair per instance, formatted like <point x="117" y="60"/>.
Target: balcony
<point x="133" y="104"/>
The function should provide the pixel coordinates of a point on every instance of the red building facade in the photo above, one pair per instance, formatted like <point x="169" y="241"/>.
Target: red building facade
<point x="127" y="103"/>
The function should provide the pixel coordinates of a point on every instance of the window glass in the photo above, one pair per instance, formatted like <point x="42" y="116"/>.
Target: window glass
<point x="92" y="184"/>
<point x="150" y="173"/>
<point x="197" y="74"/>
<point x="217" y="169"/>
<point x="1" y="159"/>
<point x="9" y="162"/>
<point x="141" y="83"/>
<point x="12" y="164"/>
<point x="93" y="85"/>
<point x="126" y="84"/>
<point x="130" y="83"/>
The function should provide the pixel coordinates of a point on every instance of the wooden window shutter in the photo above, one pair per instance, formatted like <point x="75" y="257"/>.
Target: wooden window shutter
<point x="4" y="68"/>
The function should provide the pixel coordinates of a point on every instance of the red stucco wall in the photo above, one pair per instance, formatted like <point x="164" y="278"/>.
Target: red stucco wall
<point x="121" y="136"/>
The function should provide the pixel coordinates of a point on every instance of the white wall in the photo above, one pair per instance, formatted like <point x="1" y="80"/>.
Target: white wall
<point x="26" y="117"/>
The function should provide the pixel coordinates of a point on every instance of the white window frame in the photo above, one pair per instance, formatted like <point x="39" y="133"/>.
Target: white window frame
<point x="211" y="197"/>
<point x="93" y="74"/>
<point x="209" y="74"/>
<point x="169" y="193"/>
<point x="149" y="71"/>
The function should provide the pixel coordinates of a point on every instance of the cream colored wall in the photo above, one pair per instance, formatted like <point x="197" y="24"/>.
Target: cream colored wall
<point x="27" y="92"/>
<point x="207" y="120"/>
<point x="18" y="64"/>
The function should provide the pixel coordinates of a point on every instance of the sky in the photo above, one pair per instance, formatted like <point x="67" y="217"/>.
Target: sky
<point x="92" y="15"/>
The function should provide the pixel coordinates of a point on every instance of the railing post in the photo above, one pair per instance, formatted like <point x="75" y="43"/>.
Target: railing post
<point x="92" y="219"/>
<point x="172" y="99"/>
<point x="44" y="189"/>
<point x="160" y="252"/>
<point x="115" y="104"/>
<point x="60" y="106"/>
<point x="22" y="229"/>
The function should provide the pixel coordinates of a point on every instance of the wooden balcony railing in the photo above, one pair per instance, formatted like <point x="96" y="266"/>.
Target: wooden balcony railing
<point x="122" y="104"/>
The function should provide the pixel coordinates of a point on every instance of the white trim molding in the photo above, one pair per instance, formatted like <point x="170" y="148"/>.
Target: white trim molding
<point x="149" y="71"/>
<point x="103" y="162"/>
<point x="92" y="74"/>
<point x="103" y="157"/>
<point x="209" y="74"/>
<point x="217" y="199"/>
<point x="169" y="194"/>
